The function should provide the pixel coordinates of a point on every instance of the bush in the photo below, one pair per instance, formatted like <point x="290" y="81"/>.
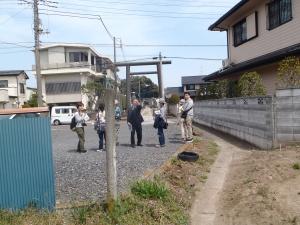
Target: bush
<point x="251" y="84"/>
<point x="150" y="189"/>
<point x="174" y="99"/>
<point x="288" y="75"/>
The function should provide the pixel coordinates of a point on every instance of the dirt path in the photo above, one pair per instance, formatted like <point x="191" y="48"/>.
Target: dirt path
<point x="250" y="187"/>
<point x="205" y="207"/>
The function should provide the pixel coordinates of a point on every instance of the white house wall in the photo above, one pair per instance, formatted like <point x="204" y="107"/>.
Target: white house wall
<point x="56" y="55"/>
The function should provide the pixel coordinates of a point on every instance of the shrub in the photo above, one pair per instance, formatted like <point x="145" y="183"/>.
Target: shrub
<point x="296" y="166"/>
<point x="222" y="88"/>
<point x="174" y="99"/>
<point x="288" y="73"/>
<point x="251" y="84"/>
<point x="150" y="189"/>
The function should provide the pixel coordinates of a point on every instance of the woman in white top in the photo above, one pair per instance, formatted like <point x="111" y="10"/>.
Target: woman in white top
<point x="179" y="119"/>
<point x="100" y="125"/>
<point x="80" y="118"/>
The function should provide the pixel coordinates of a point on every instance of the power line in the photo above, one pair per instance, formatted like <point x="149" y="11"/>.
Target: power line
<point x="93" y="16"/>
<point x="192" y="58"/>
<point x="207" y="5"/>
<point x="134" y="10"/>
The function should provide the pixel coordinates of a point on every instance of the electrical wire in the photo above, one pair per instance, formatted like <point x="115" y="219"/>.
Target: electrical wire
<point x="134" y="10"/>
<point x="93" y="16"/>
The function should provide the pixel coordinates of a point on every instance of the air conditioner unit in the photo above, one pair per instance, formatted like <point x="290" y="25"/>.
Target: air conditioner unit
<point x="226" y="63"/>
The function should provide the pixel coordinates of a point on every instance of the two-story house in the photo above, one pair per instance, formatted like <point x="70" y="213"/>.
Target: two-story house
<point x="192" y="84"/>
<point x="260" y="33"/>
<point x="12" y="88"/>
<point x="66" y="67"/>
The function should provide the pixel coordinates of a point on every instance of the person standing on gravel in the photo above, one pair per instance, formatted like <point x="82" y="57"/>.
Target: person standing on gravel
<point x="80" y="118"/>
<point x="179" y="119"/>
<point x="100" y="125"/>
<point x="135" y="120"/>
<point x="187" y="115"/>
<point x="118" y="115"/>
<point x="161" y="123"/>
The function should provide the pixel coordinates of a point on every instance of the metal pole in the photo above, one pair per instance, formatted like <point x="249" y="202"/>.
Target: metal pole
<point x="139" y="88"/>
<point x="37" y="52"/>
<point x="128" y="87"/>
<point x="111" y="164"/>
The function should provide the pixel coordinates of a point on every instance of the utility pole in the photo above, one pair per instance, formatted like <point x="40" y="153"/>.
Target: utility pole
<point x="111" y="162"/>
<point x="160" y="78"/>
<point x="139" y="88"/>
<point x="111" y="158"/>
<point x="37" y="52"/>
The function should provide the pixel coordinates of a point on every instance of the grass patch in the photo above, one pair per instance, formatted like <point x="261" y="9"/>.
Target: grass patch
<point x="166" y="199"/>
<point x="150" y="189"/>
<point x="296" y="166"/>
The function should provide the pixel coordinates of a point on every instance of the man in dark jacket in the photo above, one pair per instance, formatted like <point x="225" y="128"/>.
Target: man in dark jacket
<point x="135" y="120"/>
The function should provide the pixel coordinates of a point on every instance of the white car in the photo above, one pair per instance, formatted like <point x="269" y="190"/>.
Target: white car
<point x="62" y="114"/>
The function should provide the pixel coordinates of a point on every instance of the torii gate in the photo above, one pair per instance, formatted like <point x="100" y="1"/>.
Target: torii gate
<point x="146" y="63"/>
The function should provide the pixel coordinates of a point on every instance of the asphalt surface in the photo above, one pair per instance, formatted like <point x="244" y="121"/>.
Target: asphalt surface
<point x="82" y="176"/>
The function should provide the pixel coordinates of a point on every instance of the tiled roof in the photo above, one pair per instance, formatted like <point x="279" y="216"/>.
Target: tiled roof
<point x="12" y="73"/>
<point x="192" y="80"/>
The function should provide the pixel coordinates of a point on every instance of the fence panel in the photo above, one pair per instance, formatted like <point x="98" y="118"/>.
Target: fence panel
<point x="250" y="119"/>
<point x="26" y="164"/>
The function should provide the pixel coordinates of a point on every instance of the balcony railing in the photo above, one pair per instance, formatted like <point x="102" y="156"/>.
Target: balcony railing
<point x="73" y="65"/>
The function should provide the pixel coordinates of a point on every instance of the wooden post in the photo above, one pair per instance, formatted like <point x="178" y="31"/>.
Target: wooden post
<point x="111" y="164"/>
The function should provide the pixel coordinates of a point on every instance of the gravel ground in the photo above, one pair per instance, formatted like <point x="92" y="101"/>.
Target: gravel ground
<point x="81" y="177"/>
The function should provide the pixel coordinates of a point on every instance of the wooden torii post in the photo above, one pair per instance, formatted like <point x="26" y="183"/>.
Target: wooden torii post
<point x="158" y="71"/>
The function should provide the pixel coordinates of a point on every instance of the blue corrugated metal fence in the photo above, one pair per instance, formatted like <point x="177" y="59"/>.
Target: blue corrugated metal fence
<point x="26" y="164"/>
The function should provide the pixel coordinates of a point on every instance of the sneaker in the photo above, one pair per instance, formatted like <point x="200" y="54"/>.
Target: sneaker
<point x="83" y="151"/>
<point x="100" y="150"/>
<point x="140" y="145"/>
<point x="189" y="140"/>
<point x="160" y="146"/>
<point x="132" y="146"/>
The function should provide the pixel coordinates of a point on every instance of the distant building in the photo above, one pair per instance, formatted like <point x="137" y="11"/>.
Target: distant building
<point x="192" y="84"/>
<point x="29" y="92"/>
<point x="66" y="67"/>
<point x="12" y="88"/>
<point x="169" y="91"/>
<point x="260" y="33"/>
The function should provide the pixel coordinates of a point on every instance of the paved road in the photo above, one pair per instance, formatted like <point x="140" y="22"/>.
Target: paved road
<point x="83" y="176"/>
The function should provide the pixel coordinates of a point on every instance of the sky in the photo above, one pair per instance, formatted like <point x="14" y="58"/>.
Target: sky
<point x="144" y="28"/>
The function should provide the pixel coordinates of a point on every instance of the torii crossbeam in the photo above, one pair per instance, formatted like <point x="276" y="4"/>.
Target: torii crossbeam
<point x="158" y="71"/>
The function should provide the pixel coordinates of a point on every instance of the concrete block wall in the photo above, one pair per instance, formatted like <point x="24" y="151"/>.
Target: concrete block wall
<point x="287" y="117"/>
<point x="250" y="119"/>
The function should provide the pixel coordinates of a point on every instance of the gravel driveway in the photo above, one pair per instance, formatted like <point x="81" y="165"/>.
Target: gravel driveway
<point x="81" y="177"/>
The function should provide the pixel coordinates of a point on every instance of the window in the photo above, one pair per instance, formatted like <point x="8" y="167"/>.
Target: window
<point x="22" y="88"/>
<point x="74" y="56"/>
<point x="240" y="32"/>
<point x="67" y="88"/>
<point x="280" y="12"/>
<point x="3" y="83"/>
<point x="65" y="111"/>
<point x="57" y="111"/>
<point x="190" y="87"/>
<point x="78" y="57"/>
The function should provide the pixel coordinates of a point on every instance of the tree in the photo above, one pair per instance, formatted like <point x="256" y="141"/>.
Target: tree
<point x="33" y="100"/>
<point x="141" y="83"/>
<point x="222" y="88"/>
<point x="250" y="84"/>
<point x="94" y="91"/>
<point x="288" y="75"/>
<point x="174" y="99"/>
